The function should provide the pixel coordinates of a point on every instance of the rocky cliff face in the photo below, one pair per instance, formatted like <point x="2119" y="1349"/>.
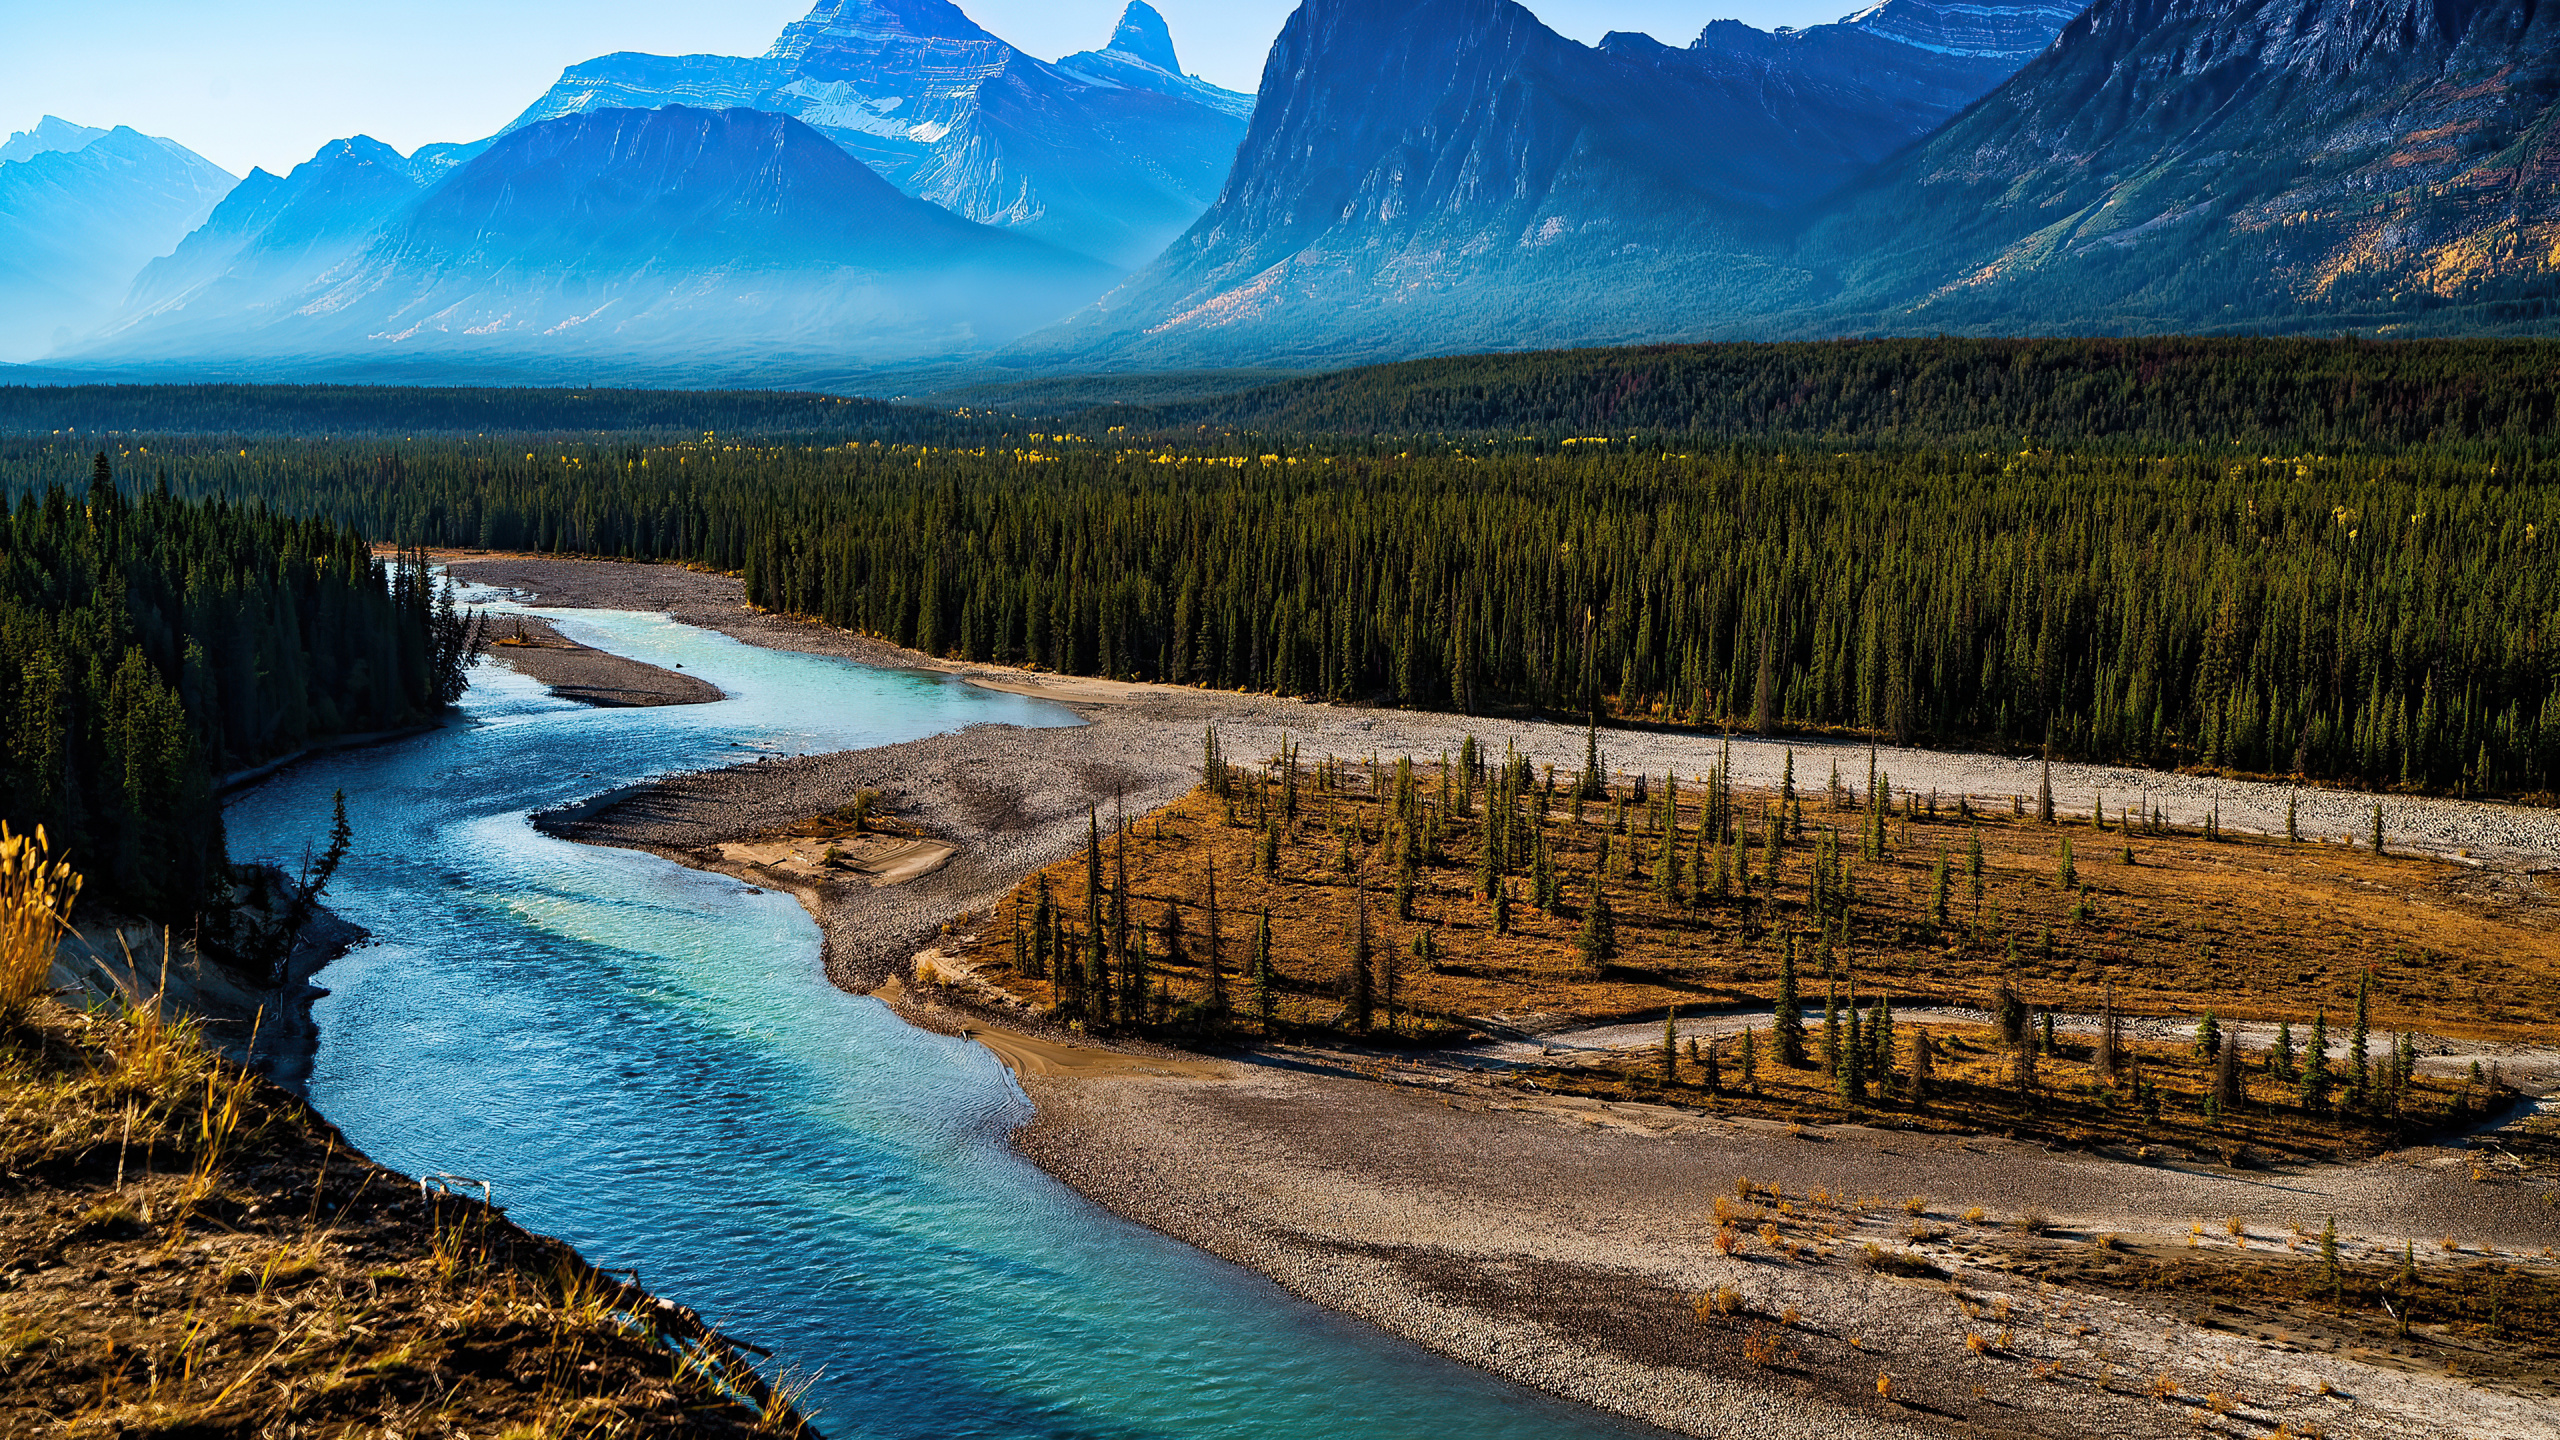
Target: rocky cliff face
<point x="76" y="223"/>
<point x="672" y="242"/>
<point x="2206" y="164"/>
<point x="1447" y="174"/>
<point x="1110" y="153"/>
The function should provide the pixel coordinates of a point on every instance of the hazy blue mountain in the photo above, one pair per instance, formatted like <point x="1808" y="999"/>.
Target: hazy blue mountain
<point x="2231" y="164"/>
<point x="51" y="135"/>
<point x="1112" y="154"/>
<point x="673" y="242"/>
<point x="77" y="224"/>
<point x="1437" y="175"/>
<point x="272" y="239"/>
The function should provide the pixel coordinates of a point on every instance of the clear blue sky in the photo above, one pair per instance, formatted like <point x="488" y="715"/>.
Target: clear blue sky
<point x="266" y="82"/>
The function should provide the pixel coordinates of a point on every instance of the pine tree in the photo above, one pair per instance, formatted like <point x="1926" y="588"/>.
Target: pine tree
<point x="1853" y="1053"/>
<point x="2109" y="1054"/>
<point x="1363" y="993"/>
<point x="1217" y="951"/>
<point x="2315" y="1065"/>
<point x="1831" y="1028"/>
<point x="2226" y="1075"/>
<point x="1266" y="997"/>
<point x="1599" y="943"/>
<point x="1787" y="1029"/>
<point x="2359" y="1065"/>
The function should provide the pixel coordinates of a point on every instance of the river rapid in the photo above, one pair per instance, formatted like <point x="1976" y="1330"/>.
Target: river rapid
<point x="648" y="1062"/>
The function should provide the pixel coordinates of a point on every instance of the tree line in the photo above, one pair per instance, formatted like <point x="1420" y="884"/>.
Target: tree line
<point x="149" y="644"/>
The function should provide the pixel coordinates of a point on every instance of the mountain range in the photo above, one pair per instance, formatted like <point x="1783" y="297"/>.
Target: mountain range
<point x="2387" y="166"/>
<point x="81" y="210"/>
<point x="1110" y="152"/>
<point x="1454" y="173"/>
<point x="890" y="185"/>
<point x="697" y="241"/>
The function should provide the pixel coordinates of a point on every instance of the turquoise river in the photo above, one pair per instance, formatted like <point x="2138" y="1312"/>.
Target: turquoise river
<point x="647" y="1062"/>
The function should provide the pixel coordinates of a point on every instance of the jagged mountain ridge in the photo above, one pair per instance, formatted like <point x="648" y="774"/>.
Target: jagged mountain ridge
<point x="1111" y="153"/>
<point x="2231" y="164"/>
<point x="1447" y="174"/>
<point x="77" y="223"/>
<point x="672" y="239"/>
<point x="50" y="135"/>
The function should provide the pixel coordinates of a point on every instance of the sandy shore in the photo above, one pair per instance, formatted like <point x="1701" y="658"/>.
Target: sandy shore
<point x="1561" y="1242"/>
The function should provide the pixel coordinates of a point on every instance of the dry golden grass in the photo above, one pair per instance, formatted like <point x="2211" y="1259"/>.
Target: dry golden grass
<point x="186" y="1250"/>
<point x="2252" y="928"/>
<point x="2256" y="928"/>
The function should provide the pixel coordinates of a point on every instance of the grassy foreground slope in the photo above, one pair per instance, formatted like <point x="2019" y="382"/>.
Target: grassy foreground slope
<point x="187" y="1250"/>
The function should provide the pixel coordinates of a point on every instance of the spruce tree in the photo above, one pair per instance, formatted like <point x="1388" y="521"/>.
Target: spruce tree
<point x="2359" y="1040"/>
<point x="2280" y="1059"/>
<point x="2315" y="1065"/>
<point x="2109" y="1054"/>
<point x="1711" y="1068"/>
<point x="1924" y="1076"/>
<point x="2209" y="1035"/>
<point x="1266" y="987"/>
<point x="2377" y="828"/>
<point x="1671" y="1045"/>
<point x="1599" y="942"/>
<point x="1404" y="884"/>
<point x="1787" y="1028"/>
<point x="1502" y="907"/>
<point x="1880" y="1044"/>
<point x="2044" y="792"/>
<point x="1831" y="1028"/>
<point x="2226" y="1075"/>
<point x="1750" y="1060"/>
<point x="1217" y="959"/>
<point x="1363" y="992"/>
<point x="2293" y="818"/>
<point x="1938" y="892"/>
<point x="2065" y="871"/>
<point x="1853" y="1053"/>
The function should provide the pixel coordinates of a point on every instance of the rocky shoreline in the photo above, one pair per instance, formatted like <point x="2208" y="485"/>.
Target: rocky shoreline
<point x="1562" y="1244"/>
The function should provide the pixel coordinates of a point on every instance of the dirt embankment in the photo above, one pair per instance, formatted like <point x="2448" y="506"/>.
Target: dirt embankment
<point x="187" y="1250"/>
<point x="1569" y="1243"/>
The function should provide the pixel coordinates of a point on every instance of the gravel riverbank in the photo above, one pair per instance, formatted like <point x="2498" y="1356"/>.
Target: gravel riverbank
<point x="1563" y="1242"/>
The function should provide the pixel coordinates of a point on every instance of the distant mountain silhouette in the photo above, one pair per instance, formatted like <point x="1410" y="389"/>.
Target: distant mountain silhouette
<point x="665" y="240"/>
<point x="1111" y="153"/>
<point x="80" y="212"/>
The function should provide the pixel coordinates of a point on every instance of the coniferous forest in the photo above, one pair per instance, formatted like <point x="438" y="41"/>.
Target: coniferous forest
<point x="2383" y="615"/>
<point x="149" y="644"/>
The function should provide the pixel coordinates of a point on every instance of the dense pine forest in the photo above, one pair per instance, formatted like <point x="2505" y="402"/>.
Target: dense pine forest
<point x="2157" y="392"/>
<point x="149" y="644"/>
<point x="2187" y="565"/>
<point x="2382" y="621"/>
